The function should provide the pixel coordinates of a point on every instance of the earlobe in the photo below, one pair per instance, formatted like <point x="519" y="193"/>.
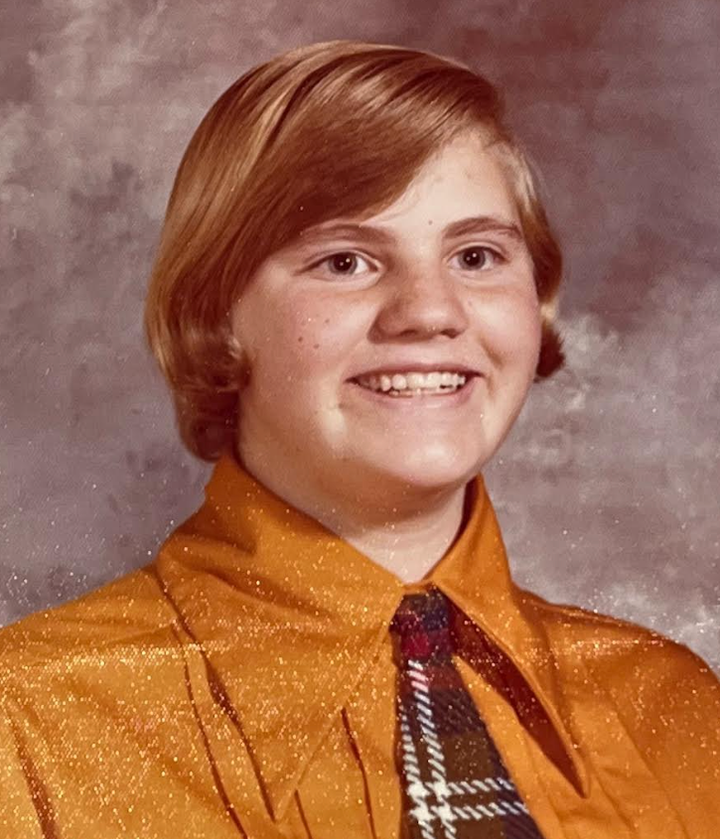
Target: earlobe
<point x="239" y="362"/>
<point x="548" y="309"/>
<point x="235" y="348"/>
<point x="551" y="356"/>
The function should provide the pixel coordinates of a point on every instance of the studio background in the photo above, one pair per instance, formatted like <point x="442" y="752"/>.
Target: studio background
<point x="607" y="490"/>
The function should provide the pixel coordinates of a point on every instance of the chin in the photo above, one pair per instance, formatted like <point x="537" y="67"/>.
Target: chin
<point x="428" y="470"/>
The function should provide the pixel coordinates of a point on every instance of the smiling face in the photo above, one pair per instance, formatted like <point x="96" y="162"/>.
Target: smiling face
<point x="392" y="354"/>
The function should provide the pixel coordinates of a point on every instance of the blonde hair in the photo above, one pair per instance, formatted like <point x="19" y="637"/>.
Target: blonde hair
<point x="329" y="130"/>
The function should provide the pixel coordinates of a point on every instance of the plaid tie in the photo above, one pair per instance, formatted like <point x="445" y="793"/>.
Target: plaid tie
<point x="455" y="785"/>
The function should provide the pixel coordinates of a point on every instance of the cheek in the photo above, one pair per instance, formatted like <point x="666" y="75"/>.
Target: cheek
<point x="524" y="327"/>
<point x="510" y="328"/>
<point x="300" y="340"/>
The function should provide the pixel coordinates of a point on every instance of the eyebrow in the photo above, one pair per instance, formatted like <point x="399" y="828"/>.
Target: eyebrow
<point x="462" y="227"/>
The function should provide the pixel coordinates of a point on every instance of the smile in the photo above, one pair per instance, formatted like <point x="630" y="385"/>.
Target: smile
<point x="413" y="384"/>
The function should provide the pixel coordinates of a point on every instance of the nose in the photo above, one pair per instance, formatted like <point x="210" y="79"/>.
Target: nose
<point x="419" y="303"/>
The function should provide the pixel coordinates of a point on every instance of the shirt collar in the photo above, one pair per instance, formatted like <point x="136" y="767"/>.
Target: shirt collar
<point x="291" y="616"/>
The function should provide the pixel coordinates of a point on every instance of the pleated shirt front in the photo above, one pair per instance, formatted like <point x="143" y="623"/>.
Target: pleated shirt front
<point x="243" y="684"/>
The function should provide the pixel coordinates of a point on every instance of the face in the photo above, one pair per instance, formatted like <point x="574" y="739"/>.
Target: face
<point x="393" y="352"/>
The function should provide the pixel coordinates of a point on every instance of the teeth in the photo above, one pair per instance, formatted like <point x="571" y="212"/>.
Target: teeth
<point x="435" y="382"/>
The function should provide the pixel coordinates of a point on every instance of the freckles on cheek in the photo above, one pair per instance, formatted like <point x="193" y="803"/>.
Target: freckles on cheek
<point x="311" y="339"/>
<point x="301" y="322"/>
<point x="304" y="346"/>
<point x="319" y="339"/>
<point x="301" y="350"/>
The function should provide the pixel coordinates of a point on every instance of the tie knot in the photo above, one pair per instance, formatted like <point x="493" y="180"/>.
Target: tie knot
<point x="422" y="625"/>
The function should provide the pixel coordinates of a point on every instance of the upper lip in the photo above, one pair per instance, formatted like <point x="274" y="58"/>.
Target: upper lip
<point x="419" y="367"/>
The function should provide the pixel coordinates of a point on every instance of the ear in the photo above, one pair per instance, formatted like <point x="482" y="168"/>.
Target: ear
<point x="548" y="309"/>
<point x="235" y="349"/>
<point x="551" y="357"/>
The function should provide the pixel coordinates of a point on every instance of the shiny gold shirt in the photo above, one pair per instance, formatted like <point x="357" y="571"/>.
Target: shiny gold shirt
<point x="243" y="684"/>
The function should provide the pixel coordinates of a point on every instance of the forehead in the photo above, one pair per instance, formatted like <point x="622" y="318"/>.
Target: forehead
<point x="463" y="181"/>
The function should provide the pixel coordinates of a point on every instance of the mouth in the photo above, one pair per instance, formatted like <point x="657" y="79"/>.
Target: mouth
<point x="414" y="384"/>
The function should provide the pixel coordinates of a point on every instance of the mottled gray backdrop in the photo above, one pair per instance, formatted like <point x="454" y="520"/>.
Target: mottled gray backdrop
<point x="607" y="490"/>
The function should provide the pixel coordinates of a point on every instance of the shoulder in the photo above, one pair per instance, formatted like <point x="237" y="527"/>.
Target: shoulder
<point x="613" y="647"/>
<point x="97" y="700"/>
<point x="122" y="612"/>
<point x="666" y="695"/>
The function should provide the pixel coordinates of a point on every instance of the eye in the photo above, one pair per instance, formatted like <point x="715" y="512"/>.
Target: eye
<point x="478" y="258"/>
<point x="345" y="264"/>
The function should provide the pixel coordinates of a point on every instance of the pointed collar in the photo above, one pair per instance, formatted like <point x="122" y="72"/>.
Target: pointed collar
<point x="291" y="616"/>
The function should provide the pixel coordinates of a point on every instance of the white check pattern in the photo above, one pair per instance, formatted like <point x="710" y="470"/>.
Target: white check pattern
<point x="432" y="808"/>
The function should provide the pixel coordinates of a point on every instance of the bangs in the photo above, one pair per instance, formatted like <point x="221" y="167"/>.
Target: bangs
<point x="353" y="134"/>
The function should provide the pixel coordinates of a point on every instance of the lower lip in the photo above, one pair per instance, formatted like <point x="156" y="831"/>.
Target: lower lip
<point x="422" y="400"/>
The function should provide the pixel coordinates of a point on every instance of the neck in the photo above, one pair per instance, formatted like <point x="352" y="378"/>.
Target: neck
<point x="409" y="545"/>
<point x="407" y="533"/>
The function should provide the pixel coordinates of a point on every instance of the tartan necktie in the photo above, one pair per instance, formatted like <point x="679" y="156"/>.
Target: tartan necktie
<point x="455" y="785"/>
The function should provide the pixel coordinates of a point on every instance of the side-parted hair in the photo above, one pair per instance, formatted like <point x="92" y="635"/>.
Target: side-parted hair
<point x="332" y="130"/>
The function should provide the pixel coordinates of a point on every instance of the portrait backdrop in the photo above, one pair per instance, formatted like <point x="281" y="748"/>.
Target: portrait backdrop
<point x="607" y="489"/>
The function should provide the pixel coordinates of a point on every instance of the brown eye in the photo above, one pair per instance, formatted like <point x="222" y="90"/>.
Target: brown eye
<point x="346" y="264"/>
<point x="343" y="263"/>
<point x="477" y="257"/>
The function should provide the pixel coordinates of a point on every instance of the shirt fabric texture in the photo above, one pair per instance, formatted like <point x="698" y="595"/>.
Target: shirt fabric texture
<point x="243" y="684"/>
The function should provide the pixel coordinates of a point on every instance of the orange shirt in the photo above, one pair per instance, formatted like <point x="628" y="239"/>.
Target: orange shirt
<point x="243" y="685"/>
